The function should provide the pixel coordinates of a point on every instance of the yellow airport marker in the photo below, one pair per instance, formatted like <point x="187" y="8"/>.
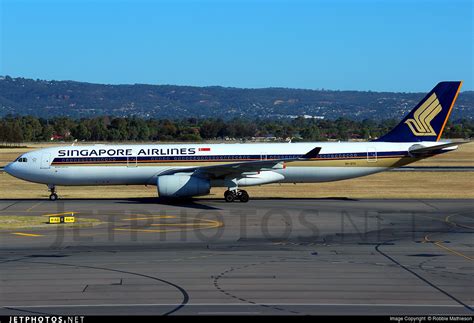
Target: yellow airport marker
<point x="61" y="218"/>
<point x="54" y="219"/>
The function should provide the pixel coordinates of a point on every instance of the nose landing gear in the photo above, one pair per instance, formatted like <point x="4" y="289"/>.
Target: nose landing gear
<point x="53" y="196"/>
<point x="232" y="195"/>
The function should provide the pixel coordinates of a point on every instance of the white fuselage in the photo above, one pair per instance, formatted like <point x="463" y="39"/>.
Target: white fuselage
<point x="142" y="164"/>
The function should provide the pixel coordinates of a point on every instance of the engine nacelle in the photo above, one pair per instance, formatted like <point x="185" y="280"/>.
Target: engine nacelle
<point x="182" y="186"/>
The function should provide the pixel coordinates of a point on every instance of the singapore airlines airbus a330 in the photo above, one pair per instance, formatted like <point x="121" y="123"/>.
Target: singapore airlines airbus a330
<point x="187" y="170"/>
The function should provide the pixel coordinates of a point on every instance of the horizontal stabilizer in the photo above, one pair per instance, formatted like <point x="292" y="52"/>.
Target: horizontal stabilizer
<point x="421" y="150"/>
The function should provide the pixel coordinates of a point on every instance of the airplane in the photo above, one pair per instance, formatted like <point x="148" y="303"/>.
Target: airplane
<point x="188" y="170"/>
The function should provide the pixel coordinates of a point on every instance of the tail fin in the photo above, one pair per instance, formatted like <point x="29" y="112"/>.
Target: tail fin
<point x="427" y="120"/>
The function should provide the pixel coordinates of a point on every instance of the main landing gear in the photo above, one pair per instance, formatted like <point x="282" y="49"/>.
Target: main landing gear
<point x="53" y="196"/>
<point x="232" y="195"/>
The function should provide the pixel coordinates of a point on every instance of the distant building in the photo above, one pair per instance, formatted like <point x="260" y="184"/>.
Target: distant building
<point x="267" y="137"/>
<point x="306" y="116"/>
<point x="56" y="136"/>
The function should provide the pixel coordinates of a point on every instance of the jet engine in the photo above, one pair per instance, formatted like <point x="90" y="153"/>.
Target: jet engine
<point x="182" y="186"/>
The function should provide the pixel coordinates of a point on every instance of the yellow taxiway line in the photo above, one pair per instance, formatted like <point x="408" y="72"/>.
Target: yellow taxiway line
<point x="32" y="207"/>
<point x="27" y="234"/>
<point x="62" y="213"/>
<point x="440" y="245"/>
<point x="151" y="217"/>
<point x="189" y="226"/>
<point x="447" y="220"/>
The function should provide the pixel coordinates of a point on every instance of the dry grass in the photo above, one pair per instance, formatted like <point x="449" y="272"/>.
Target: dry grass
<point x="383" y="185"/>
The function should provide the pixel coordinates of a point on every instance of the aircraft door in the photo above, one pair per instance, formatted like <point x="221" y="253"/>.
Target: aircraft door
<point x="45" y="161"/>
<point x="371" y="155"/>
<point x="132" y="161"/>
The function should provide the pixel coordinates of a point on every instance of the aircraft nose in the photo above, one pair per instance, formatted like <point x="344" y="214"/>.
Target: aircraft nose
<point x="8" y="168"/>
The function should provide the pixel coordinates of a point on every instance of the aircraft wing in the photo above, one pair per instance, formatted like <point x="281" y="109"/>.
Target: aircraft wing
<point x="222" y="170"/>
<point x="418" y="149"/>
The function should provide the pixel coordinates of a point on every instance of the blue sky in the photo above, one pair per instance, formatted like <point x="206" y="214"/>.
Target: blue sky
<point x="398" y="45"/>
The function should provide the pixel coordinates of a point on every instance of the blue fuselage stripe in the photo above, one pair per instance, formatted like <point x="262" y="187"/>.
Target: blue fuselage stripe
<point x="220" y="158"/>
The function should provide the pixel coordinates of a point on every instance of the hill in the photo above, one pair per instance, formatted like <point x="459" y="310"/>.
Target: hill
<point x="21" y="96"/>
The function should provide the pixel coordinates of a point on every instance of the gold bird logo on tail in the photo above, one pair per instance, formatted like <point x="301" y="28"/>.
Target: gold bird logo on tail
<point x="420" y="124"/>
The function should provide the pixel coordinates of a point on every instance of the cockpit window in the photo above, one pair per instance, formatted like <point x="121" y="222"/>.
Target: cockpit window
<point x="22" y="160"/>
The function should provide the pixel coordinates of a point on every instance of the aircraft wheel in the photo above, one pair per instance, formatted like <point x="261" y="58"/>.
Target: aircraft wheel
<point x="244" y="196"/>
<point x="53" y="197"/>
<point x="229" y="196"/>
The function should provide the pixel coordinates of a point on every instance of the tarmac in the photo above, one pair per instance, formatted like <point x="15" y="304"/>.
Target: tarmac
<point x="268" y="256"/>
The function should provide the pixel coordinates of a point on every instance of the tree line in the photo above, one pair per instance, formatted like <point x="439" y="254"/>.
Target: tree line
<point x="17" y="129"/>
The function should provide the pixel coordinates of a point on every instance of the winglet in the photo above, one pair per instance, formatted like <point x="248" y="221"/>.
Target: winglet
<point x="313" y="153"/>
